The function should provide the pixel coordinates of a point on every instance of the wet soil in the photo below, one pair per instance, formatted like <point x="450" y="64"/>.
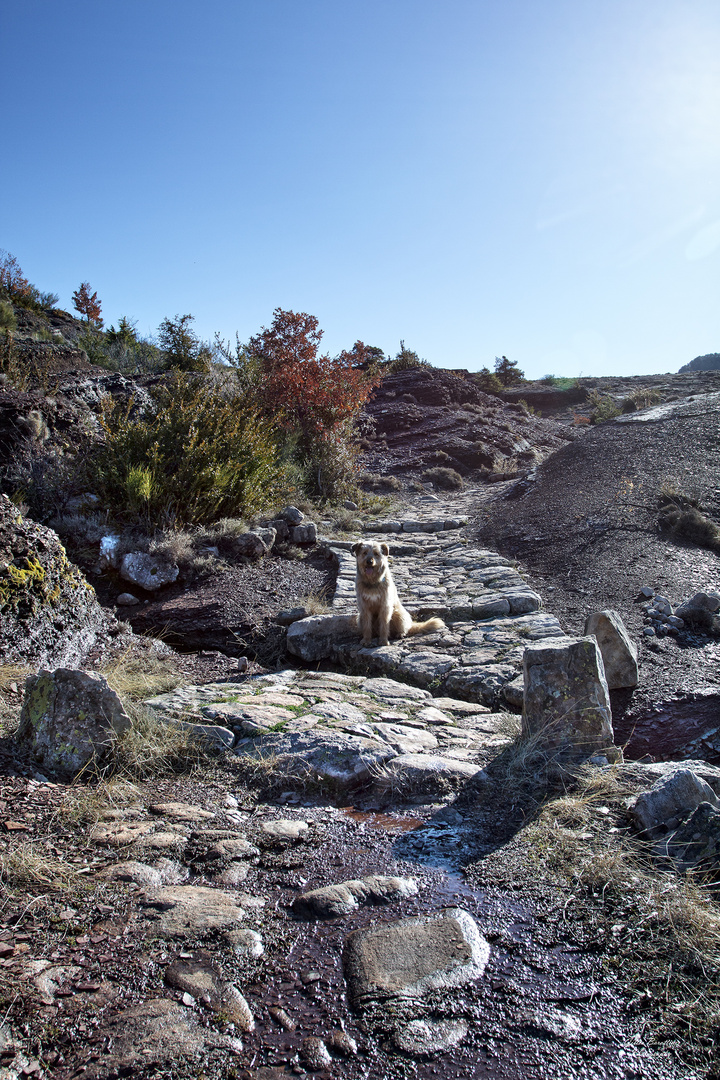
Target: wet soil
<point x="552" y="1000"/>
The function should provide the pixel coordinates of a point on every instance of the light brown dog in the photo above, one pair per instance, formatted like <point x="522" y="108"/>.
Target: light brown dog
<point x="378" y="601"/>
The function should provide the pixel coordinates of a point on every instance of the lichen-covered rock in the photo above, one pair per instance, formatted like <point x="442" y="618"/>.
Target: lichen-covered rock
<point x="670" y="800"/>
<point x="70" y="720"/>
<point x="618" y="652"/>
<point x="49" y="614"/>
<point x="566" y="701"/>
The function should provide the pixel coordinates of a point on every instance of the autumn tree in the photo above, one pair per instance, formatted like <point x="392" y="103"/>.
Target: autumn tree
<point x="508" y="371"/>
<point x="87" y="304"/>
<point x="12" y="280"/>
<point x="317" y="397"/>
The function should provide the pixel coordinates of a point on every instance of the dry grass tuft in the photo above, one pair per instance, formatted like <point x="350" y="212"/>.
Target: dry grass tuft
<point x="134" y="678"/>
<point x="91" y="803"/>
<point x="29" y="866"/>
<point x="155" y="747"/>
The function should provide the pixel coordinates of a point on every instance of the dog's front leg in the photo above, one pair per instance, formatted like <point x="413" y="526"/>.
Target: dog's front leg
<point x="366" y="624"/>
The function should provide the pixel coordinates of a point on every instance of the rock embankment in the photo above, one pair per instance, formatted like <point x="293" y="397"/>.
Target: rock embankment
<point x="49" y="615"/>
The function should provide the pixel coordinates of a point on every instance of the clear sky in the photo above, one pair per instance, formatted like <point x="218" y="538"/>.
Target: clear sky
<point x="535" y="178"/>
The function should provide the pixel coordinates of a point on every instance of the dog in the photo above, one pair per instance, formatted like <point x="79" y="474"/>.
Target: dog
<point x="378" y="601"/>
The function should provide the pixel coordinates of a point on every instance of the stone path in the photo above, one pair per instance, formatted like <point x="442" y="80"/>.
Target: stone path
<point x="342" y="731"/>
<point x="490" y="611"/>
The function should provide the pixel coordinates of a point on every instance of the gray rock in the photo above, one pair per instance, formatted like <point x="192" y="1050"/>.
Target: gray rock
<point x="315" y="1053"/>
<point x="159" y="1030"/>
<point x="700" y="609"/>
<point x="252" y="545"/>
<point x="284" y="831"/>
<point x="659" y="770"/>
<point x="566" y="702"/>
<point x="110" y="547"/>
<point x="304" y="534"/>
<point x="138" y="872"/>
<point x="291" y="615"/>
<point x="292" y="515"/>
<point x="126" y="599"/>
<point x="190" y="910"/>
<point x="282" y="529"/>
<point x="331" y="755"/>
<point x="670" y="800"/>
<point x="315" y="638"/>
<point x="422" y="1038"/>
<point x="70" y="720"/>
<point x="618" y="651"/>
<point x="513" y="691"/>
<point x="246" y="944"/>
<point x="147" y="571"/>
<point x="342" y="899"/>
<point x="427" y="772"/>
<point x="410" y="957"/>
<point x="695" y="845"/>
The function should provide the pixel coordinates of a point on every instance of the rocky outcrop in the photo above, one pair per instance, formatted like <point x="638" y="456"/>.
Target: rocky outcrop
<point x="70" y="720"/>
<point x="49" y="614"/>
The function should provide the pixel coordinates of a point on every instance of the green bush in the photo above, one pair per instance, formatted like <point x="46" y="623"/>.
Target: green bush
<point x="7" y="316"/>
<point x="198" y="454"/>
<point x="405" y="360"/>
<point x="603" y="408"/>
<point x="641" y="399"/>
<point x="488" y="381"/>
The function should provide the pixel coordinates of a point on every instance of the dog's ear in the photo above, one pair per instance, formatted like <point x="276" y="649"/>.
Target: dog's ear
<point x="355" y="548"/>
<point x="385" y="549"/>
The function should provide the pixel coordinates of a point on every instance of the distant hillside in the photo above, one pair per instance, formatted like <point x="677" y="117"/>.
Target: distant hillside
<point x="708" y="362"/>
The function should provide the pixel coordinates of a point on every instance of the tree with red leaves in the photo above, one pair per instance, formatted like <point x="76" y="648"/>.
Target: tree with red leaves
<point x="315" y="393"/>
<point x="12" y="280"/>
<point x="87" y="304"/>
<point x="317" y="397"/>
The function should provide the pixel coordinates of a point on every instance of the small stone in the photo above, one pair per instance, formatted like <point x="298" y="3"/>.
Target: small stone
<point x="424" y="1037"/>
<point x="315" y="1053"/>
<point x="126" y="599"/>
<point x="281" y="1017"/>
<point x="245" y="943"/>
<point x="343" y="1043"/>
<point x="148" y="572"/>
<point x="292" y="515"/>
<point x="283" y="830"/>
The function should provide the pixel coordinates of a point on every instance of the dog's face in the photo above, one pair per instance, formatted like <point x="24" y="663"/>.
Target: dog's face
<point x="371" y="560"/>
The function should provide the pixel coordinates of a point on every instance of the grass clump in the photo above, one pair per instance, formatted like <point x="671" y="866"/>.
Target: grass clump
<point x="641" y="399"/>
<point x="603" y="408"/>
<point x="443" y="478"/>
<point x="683" y="517"/>
<point x="196" y="455"/>
<point x="29" y="866"/>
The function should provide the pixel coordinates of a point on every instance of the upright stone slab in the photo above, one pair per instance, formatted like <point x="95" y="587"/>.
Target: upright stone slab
<point x="70" y="719"/>
<point x="566" y="701"/>
<point x="618" y="652"/>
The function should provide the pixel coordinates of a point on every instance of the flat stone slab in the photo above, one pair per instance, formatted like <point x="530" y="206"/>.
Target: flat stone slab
<point x="159" y="1030"/>
<point x="329" y="755"/>
<point x="184" y="910"/>
<point x="410" y="957"/>
<point x="178" y="811"/>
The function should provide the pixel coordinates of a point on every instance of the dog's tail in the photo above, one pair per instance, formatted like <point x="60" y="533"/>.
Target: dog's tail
<point x="425" y="627"/>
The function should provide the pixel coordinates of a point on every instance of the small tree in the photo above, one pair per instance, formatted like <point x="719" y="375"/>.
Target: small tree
<point x="508" y="371"/>
<point x="488" y="381"/>
<point x="12" y="280"/>
<point x="87" y="304"/>
<point x="126" y="333"/>
<point x="183" y="349"/>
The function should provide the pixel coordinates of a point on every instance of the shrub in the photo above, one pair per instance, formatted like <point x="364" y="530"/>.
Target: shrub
<point x="198" y="454"/>
<point x="488" y="381"/>
<point x="508" y="371"/>
<point x="405" y="360"/>
<point x="683" y="517"/>
<point x="447" y="479"/>
<point x="603" y="408"/>
<point x="180" y="345"/>
<point x="7" y="316"/>
<point x="641" y="399"/>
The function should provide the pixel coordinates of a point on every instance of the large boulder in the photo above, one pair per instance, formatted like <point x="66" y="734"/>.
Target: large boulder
<point x="618" y="652"/>
<point x="670" y="801"/>
<point x="315" y="638"/>
<point x="147" y="571"/>
<point x="566" y="702"/>
<point x="49" y="614"/>
<point x="70" y="720"/>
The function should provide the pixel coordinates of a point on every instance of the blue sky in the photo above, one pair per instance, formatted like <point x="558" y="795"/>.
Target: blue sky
<point x="534" y="179"/>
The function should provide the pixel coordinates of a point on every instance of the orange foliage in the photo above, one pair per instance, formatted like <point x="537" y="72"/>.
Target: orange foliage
<point x="315" y="394"/>
<point x="87" y="304"/>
